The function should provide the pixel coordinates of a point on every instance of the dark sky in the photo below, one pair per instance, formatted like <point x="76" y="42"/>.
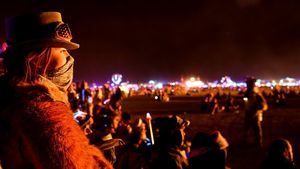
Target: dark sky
<point x="169" y="39"/>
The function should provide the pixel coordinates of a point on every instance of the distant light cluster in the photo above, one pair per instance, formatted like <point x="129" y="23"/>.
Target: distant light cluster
<point x="195" y="82"/>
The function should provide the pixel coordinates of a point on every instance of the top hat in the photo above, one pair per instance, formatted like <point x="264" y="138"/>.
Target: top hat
<point x="39" y="30"/>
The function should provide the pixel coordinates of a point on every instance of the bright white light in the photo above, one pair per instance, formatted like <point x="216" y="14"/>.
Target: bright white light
<point x="116" y="78"/>
<point x="227" y="82"/>
<point x="269" y="84"/>
<point x="151" y="82"/>
<point x="258" y="83"/>
<point x="173" y="83"/>
<point x="148" y="116"/>
<point x="242" y="84"/>
<point x="192" y="84"/>
<point x="79" y="114"/>
<point x="159" y="85"/>
<point x="106" y="101"/>
<point x="274" y="83"/>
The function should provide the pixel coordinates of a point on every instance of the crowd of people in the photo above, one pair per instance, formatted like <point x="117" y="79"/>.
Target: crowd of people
<point x="126" y="142"/>
<point x="46" y="121"/>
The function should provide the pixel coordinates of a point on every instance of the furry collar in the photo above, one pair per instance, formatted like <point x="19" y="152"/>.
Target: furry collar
<point x="45" y="86"/>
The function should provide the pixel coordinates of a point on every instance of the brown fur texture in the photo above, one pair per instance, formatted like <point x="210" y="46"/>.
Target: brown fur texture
<point x="37" y="130"/>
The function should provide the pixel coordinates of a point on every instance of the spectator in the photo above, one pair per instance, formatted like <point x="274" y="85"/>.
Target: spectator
<point x="73" y="97"/>
<point x="104" y="126"/>
<point x="125" y="127"/>
<point x="168" y="153"/>
<point x="97" y="102"/>
<point x="280" y="156"/>
<point x="115" y="100"/>
<point x="255" y="106"/>
<point x="208" y="151"/>
<point x="135" y="155"/>
<point x="37" y="128"/>
<point x="230" y="105"/>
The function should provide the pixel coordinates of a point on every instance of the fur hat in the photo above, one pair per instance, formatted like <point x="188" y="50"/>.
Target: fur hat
<point x="38" y="30"/>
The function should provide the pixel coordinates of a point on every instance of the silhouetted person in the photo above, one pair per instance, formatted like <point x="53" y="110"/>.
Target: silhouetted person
<point x="208" y="151"/>
<point x="279" y="96"/>
<point x="280" y="156"/>
<point x="168" y="153"/>
<point x="230" y="105"/>
<point x="135" y="155"/>
<point x="104" y="126"/>
<point x="255" y="106"/>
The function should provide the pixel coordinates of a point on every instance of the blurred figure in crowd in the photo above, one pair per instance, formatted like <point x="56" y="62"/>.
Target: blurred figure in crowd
<point x="230" y="105"/>
<point x="255" y="106"/>
<point x="168" y="153"/>
<point x="115" y="100"/>
<point x="104" y="126"/>
<point x="278" y="96"/>
<point x="106" y="92"/>
<point x="36" y="124"/>
<point x="97" y="102"/>
<point x="135" y="155"/>
<point x="85" y="97"/>
<point x="73" y="97"/>
<point x="280" y="156"/>
<point x="208" y="151"/>
<point x="211" y="104"/>
<point x="125" y="127"/>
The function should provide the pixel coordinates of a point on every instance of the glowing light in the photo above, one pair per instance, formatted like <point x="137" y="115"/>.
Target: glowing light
<point x="94" y="85"/>
<point x="274" y="83"/>
<point x="79" y="113"/>
<point x="116" y="78"/>
<point x="227" y="82"/>
<point x="148" y="116"/>
<point x="173" y="83"/>
<point x="269" y="84"/>
<point x="289" y="82"/>
<point x="159" y="85"/>
<point x="151" y="82"/>
<point x="106" y="101"/>
<point x="258" y="83"/>
<point x="194" y="83"/>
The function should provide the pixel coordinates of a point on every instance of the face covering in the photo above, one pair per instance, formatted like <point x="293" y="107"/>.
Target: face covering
<point x="62" y="77"/>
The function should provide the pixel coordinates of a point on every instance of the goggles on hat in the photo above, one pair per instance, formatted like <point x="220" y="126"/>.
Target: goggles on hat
<point x="63" y="32"/>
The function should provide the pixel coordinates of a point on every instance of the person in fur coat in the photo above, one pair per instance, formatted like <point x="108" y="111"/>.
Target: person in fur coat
<point x="36" y="124"/>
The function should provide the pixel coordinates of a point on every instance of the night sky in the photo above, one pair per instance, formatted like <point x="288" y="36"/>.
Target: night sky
<point x="167" y="40"/>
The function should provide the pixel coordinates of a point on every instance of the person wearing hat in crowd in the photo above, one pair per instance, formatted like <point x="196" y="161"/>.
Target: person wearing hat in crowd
<point x="167" y="153"/>
<point x="136" y="154"/>
<point x="104" y="127"/>
<point x="36" y="123"/>
<point x="209" y="150"/>
<point x="254" y="107"/>
<point x="280" y="156"/>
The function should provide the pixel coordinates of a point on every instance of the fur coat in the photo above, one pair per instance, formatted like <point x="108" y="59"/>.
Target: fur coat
<point x="37" y="130"/>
